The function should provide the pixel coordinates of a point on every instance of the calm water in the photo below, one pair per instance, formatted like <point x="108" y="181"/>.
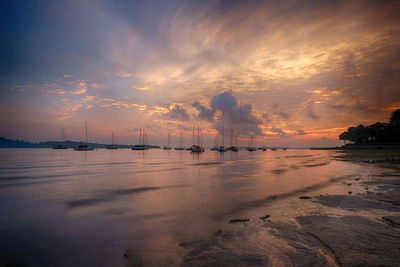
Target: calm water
<point x="73" y="208"/>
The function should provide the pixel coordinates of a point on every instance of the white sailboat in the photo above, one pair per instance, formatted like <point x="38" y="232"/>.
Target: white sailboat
<point x="84" y="147"/>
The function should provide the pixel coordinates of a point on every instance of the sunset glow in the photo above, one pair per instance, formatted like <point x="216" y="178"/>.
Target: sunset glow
<point x="292" y="73"/>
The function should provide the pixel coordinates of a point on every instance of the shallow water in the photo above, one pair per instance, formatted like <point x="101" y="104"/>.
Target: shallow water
<point x="74" y="208"/>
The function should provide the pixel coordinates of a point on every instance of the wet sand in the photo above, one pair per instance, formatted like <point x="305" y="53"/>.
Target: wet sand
<point x="360" y="228"/>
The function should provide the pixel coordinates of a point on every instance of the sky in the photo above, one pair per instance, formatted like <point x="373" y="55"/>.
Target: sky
<point x="290" y="73"/>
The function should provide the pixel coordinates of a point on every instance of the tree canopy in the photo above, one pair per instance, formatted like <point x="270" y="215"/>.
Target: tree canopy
<point x="378" y="132"/>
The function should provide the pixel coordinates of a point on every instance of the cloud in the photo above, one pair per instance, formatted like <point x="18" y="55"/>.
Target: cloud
<point x="96" y="85"/>
<point x="226" y="111"/>
<point x="300" y="132"/>
<point x="124" y="74"/>
<point x="204" y="112"/>
<point x="283" y="115"/>
<point x="280" y="132"/>
<point x="177" y="112"/>
<point x="77" y="87"/>
<point x="265" y="117"/>
<point x="311" y="113"/>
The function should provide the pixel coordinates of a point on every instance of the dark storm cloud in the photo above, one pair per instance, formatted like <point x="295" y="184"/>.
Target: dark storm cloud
<point x="226" y="111"/>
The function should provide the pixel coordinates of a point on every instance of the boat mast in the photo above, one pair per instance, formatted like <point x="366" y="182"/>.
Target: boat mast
<point x="112" y="138"/>
<point x="223" y="136"/>
<point x="86" y="139"/>
<point x="181" y="138"/>
<point x="201" y="138"/>
<point x="193" y="135"/>
<point x="140" y="136"/>
<point x="145" y="140"/>
<point x="236" y="138"/>
<point x="231" y="137"/>
<point x="168" y="139"/>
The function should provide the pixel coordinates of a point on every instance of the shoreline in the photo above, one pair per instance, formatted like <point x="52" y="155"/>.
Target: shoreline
<point x="361" y="227"/>
<point x="361" y="147"/>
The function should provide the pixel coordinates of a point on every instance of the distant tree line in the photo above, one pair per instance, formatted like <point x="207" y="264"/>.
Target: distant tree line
<point x="379" y="132"/>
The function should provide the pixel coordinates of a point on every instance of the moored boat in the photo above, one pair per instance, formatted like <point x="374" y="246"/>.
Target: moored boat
<point x="112" y="146"/>
<point x="167" y="147"/>
<point x="62" y="145"/>
<point x="142" y="141"/>
<point x="84" y="147"/>
<point x="181" y="147"/>
<point x="197" y="148"/>
<point x="251" y="147"/>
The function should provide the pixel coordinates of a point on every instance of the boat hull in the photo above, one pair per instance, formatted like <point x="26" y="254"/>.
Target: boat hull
<point x="84" y="149"/>
<point x="62" y="147"/>
<point x="140" y="147"/>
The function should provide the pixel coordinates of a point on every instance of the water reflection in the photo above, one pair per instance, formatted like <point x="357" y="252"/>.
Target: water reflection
<point x="105" y="201"/>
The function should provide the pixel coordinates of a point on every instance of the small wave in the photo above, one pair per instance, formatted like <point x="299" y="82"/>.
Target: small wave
<point x="317" y="164"/>
<point x="109" y="196"/>
<point x="279" y="171"/>
<point x="208" y="163"/>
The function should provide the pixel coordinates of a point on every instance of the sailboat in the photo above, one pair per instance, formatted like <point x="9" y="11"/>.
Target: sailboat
<point x="222" y="148"/>
<point x="62" y="145"/>
<point x="142" y="141"/>
<point x="84" y="147"/>
<point x="251" y="147"/>
<point x="112" y="146"/>
<point x="197" y="148"/>
<point x="215" y="147"/>
<point x="235" y="147"/>
<point x="180" y="147"/>
<point x="167" y="147"/>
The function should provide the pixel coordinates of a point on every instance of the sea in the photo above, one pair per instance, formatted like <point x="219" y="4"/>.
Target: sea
<point x="91" y="208"/>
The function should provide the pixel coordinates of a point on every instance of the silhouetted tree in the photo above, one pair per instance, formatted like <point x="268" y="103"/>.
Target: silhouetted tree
<point x="395" y="118"/>
<point x="375" y="133"/>
<point x="395" y="125"/>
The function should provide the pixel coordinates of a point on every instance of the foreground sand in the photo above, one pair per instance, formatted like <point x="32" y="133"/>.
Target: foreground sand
<point x="360" y="227"/>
